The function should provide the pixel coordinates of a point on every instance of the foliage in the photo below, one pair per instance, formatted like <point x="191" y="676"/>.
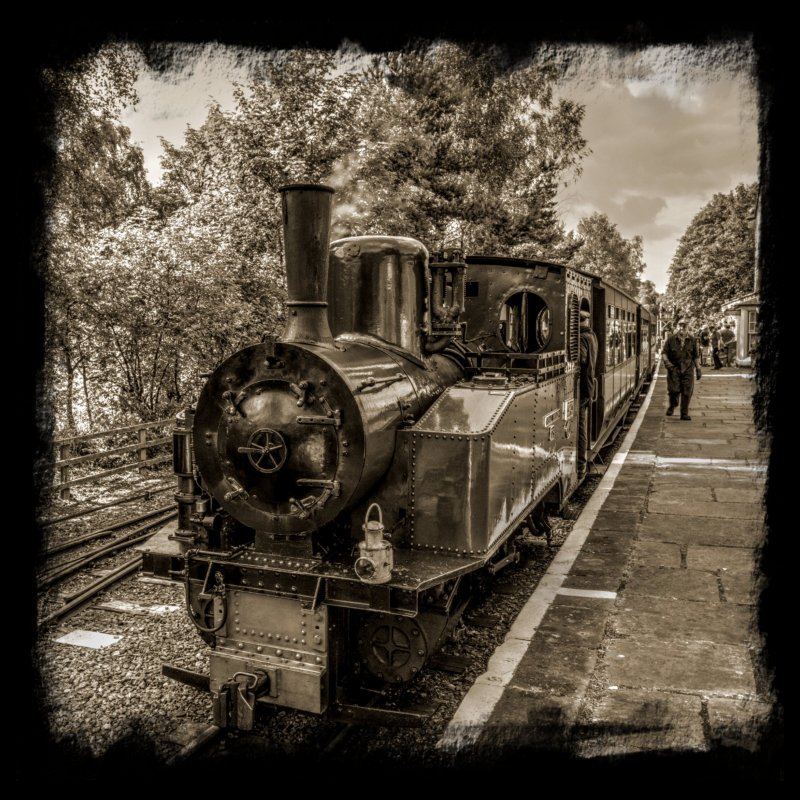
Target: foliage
<point x="148" y="286"/>
<point x="649" y="296"/>
<point x="98" y="179"/>
<point x="715" y="258"/>
<point x="459" y="148"/>
<point x="605" y="252"/>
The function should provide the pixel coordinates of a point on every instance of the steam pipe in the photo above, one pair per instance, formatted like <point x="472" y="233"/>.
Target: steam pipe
<point x="306" y="236"/>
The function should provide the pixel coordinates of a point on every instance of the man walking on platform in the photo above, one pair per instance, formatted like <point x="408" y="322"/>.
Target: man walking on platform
<point x="588" y="363"/>
<point x="683" y="363"/>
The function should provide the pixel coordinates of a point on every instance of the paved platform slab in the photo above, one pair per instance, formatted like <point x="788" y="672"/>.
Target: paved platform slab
<point x="739" y="722"/>
<point x="739" y="588"/>
<point x="630" y="721"/>
<point x="639" y="617"/>
<point x="556" y="668"/>
<point x="677" y="584"/>
<point x="658" y="554"/>
<point x="713" y="531"/>
<point x="722" y="670"/>
<point x="693" y="508"/>
<point x="728" y="559"/>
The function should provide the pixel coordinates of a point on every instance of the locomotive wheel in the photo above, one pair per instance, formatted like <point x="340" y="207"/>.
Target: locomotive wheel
<point x="392" y="648"/>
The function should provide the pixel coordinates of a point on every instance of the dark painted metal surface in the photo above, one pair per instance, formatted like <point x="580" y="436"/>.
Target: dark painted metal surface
<point x="503" y="444"/>
<point x="377" y="287"/>
<point x="306" y="233"/>
<point x="493" y="284"/>
<point x="334" y="439"/>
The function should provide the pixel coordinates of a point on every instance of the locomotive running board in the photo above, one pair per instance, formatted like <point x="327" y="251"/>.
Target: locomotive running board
<point x="384" y="717"/>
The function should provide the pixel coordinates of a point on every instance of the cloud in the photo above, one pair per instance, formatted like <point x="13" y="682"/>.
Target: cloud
<point x="668" y="128"/>
<point x="638" y="210"/>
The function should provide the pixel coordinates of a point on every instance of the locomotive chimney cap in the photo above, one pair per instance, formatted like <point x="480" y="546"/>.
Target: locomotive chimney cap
<point x="299" y="186"/>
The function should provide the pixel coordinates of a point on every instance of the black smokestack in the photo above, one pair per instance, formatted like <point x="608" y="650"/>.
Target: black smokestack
<point x="306" y="236"/>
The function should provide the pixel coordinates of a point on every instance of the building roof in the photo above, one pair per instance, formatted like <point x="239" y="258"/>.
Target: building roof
<point x="750" y="299"/>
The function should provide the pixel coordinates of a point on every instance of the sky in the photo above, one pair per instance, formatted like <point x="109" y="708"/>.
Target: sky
<point x="667" y="127"/>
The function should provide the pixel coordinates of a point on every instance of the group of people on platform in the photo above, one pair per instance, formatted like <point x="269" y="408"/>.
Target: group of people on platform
<point x="682" y="354"/>
<point x="717" y="346"/>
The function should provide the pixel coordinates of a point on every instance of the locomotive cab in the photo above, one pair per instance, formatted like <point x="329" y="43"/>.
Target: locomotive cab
<point x="525" y="323"/>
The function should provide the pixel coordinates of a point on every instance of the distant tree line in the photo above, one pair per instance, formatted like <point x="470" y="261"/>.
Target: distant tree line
<point x="715" y="258"/>
<point x="150" y="285"/>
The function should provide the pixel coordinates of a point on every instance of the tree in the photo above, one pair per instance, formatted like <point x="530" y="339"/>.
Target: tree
<point x="97" y="180"/>
<point x="648" y="296"/>
<point x="160" y="313"/>
<point x="715" y="258"/>
<point x="606" y="253"/>
<point x="459" y="147"/>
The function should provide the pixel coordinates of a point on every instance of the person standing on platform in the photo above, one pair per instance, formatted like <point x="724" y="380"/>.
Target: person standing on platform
<point x="716" y="343"/>
<point x="728" y="338"/>
<point x="587" y="387"/>
<point x="683" y="363"/>
<point x="705" y="342"/>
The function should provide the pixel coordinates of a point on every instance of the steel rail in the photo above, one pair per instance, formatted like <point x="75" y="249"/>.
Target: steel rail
<point x="59" y="573"/>
<point x="101" y="532"/>
<point x="94" y="588"/>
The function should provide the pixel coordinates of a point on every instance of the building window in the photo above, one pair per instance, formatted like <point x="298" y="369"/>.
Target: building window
<point x="752" y="331"/>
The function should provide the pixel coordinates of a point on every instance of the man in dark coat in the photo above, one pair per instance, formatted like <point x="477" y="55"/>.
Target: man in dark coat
<point x="728" y="344"/>
<point x="588" y="363"/>
<point x="683" y="363"/>
<point x="715" y="345"/>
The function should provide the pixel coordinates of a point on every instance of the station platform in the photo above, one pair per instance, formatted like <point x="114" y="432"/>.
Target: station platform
<point x="642" y="637"/>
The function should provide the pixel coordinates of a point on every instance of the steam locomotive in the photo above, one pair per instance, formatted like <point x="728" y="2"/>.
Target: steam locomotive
<point x="341" y="489"/>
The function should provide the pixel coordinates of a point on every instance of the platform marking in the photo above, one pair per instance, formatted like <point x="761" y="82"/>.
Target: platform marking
<point x="661" y="462"/>
<point x="587" y="593"/>
<point x="478" y="704"/>
<point x="706" y="375"/>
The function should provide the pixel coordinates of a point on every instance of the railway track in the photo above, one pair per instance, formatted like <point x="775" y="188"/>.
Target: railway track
<point x="66" y="561"/>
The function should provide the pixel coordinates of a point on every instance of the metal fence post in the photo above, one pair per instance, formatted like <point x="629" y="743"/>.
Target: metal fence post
<point x="142" y="450"/>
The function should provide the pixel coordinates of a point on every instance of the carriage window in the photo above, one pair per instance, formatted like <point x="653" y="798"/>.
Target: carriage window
<point x="610" y="337"/>
<point x="525" y="323"/>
